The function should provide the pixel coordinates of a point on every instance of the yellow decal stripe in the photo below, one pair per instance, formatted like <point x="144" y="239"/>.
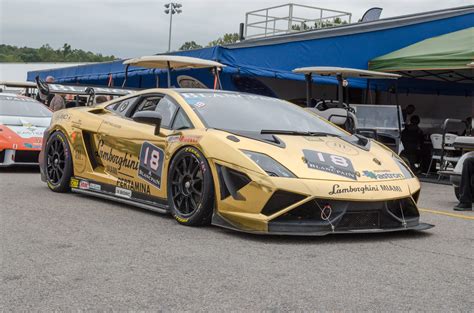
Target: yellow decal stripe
<point x="466" y="217"/>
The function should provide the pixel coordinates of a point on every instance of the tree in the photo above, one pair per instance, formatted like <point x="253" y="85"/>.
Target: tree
<point x="190" y="45"/>
<point x="47" y="54"/>
<point x="225" y="40"/>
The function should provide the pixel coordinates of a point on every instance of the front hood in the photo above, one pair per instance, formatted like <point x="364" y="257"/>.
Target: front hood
<point x="330" y="158"/>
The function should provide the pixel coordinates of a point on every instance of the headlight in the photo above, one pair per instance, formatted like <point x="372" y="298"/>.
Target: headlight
<point x="269" y="165"/>
<point x="403" y="167"/>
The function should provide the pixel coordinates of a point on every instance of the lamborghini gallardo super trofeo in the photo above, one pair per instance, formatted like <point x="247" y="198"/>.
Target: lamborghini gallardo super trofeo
<point x="240" y="161"/>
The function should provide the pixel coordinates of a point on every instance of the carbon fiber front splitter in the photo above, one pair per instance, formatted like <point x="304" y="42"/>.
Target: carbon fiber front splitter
<point x="305" y="229"/>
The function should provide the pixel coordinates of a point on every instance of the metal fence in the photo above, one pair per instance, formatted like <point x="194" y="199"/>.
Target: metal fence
<point x="288" y="18"/>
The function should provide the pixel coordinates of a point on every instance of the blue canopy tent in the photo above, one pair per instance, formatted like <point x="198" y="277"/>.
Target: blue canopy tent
<point x="351" y="45"/>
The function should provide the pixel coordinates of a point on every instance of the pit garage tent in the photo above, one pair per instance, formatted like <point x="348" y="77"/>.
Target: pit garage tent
<point x="444" y="58"/>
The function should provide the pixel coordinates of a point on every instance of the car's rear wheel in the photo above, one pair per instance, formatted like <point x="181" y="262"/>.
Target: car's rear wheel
<point x="190" y="188"/>
<point x="58" y="163"/>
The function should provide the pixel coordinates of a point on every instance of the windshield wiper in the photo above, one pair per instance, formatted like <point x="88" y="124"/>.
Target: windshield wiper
<point x="297" y="133"/>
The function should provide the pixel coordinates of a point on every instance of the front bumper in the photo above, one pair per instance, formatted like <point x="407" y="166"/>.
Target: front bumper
<point x="285" y="206"/>
<point x="10" y="157"/>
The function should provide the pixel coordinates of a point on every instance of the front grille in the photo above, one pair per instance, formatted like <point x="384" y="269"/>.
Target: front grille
<point x="347" y="215"/>
<point x="23" y="156"/>
<point x="360" y="220"/>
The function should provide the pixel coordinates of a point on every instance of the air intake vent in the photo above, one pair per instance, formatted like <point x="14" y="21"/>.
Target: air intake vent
<point x="280" y="200"/>
<point x="231" y="181"/>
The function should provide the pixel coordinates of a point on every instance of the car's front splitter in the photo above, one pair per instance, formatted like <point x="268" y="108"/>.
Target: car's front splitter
<point x="309" y="229"/>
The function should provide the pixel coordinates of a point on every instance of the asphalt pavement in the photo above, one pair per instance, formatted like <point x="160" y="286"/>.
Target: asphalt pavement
<point x="70" y="252"/>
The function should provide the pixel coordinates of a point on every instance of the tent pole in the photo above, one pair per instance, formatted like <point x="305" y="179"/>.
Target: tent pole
<point x="340" y="92"/>
<point x="126" y="76"/>
<point x="398" y="110"/>
<point x="219" y="84"/>
<point x="169" y="74"/>
<point x="367" y="88"/>
<point x="309" y="89"/>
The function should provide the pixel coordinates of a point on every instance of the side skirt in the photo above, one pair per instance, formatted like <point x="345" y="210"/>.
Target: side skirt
<point x="148" y="202"/>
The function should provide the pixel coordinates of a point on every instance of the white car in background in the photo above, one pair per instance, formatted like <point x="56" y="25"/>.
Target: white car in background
<point x="23" y="121"/>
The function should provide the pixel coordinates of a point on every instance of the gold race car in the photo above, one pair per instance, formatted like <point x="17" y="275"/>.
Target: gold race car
<point x="241" y="161"/>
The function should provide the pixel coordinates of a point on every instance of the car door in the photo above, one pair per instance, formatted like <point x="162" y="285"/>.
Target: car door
<point x="131" y="152"/>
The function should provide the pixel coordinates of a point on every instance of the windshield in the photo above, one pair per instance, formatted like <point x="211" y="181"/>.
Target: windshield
<point x="253" y="113"/>
<point x="377" y="116"/>
<point x="11" y="105"/>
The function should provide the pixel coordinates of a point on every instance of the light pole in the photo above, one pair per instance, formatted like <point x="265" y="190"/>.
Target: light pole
<point x="172" y="8"/>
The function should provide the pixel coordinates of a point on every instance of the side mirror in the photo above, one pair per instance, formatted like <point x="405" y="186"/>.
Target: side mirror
<point x="149" y="117"/>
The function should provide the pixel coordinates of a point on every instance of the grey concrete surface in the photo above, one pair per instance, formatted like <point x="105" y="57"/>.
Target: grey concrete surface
<point x="71" y="252"/>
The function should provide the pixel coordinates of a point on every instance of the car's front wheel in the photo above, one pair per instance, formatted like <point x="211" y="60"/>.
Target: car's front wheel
<point x="58" y="162"/>
<point x="190" y="188"/>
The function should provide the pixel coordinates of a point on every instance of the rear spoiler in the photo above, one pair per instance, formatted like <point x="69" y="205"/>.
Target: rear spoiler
<point x="90" y="92"/>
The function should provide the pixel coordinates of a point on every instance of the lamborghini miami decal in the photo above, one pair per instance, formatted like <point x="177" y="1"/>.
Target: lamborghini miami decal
<point x="236" y="160"/>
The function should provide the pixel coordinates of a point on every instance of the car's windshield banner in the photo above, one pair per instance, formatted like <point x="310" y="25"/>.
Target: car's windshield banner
<point x="84" y="90"/>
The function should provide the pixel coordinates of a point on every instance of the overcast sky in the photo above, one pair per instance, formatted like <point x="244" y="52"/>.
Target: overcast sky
<point x="127" y="28"/>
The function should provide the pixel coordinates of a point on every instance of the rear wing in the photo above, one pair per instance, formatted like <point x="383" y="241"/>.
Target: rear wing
<point x="87" y="93"/>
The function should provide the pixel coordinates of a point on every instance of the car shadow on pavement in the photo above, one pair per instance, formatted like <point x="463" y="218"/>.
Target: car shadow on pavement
<point x="330" y="238"/>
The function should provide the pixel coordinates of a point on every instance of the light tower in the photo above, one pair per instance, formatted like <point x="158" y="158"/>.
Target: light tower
<point x="172" y="8"/>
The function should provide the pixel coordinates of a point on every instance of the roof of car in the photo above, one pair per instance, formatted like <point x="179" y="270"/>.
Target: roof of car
<point x="174" y="61"/>
<point x="345" y="72"/>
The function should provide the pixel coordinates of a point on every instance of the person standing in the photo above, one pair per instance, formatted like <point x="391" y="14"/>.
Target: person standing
<point x="467" y="185"/>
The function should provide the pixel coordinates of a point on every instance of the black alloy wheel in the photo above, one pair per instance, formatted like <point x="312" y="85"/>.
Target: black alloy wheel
<point x="190" y="188"/>
<point x="58" y="163"/>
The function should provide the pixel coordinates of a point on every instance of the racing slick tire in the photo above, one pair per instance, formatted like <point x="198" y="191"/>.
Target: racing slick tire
<point x="58" y="162"/>
<point x="190" y="188"/>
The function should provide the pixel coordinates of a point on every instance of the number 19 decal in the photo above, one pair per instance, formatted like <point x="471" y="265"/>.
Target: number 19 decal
<point x="151" y="164"/>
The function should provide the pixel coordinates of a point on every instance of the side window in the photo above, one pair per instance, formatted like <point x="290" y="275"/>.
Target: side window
<point x="167" y="109"/>
<point x="181" y="121"/>
<point x="148" y="104"/>
<point x="122" y="107"/>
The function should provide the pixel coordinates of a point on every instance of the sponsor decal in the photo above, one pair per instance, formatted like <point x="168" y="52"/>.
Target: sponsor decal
<point x="341" y="148"/>
<point x="151" y="164"/>
<point x="185" y="139"/>
<point x="31" y="146"/>
<point x="28" y="132"/>
<point x="108" y="154"/>
<point x="17" y="98"/>
<point x="383" y="175"/>
<point x="74" y="183"/>
<point x="84" y="184"/>
<point x="61" y="116"/>
<point x="111" y="124"/>
<point x="124" y="193"/>
<point x="334" y="164"/>
<point x="188" y="96"/>
<point x="133" y="185"/>
<point x="95" y="187"/>
<point x="338" y="189"/>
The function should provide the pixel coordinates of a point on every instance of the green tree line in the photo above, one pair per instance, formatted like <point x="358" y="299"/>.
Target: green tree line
<point x="47" y="54"/>
<point x="224" y="40"/>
